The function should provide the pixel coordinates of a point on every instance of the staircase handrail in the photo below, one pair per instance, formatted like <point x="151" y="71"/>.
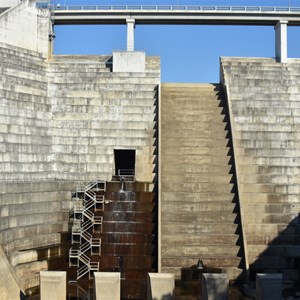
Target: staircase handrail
<point x="79" y="188"/>
<point x="91" y="194"/>
<point x="87" y="225"/>
<point x="88" y="204"/>
<point x="85" y="259"/>
<point x="98" y="219"/>
<point x="85" y="247"/>
<point x="88" y="214"/>
<point x="87" y="236"/>
<point x="94" y="266"/>
<point x="73" y="253"/>
<point x="100" y="198"/>
<point x="82" y="271"/>
<point x="93" y="183"/>
<point x="96" y="241"/>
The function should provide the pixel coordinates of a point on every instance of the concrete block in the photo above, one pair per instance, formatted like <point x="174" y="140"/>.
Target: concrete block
<point x="107" y="286"/>
<point x="9" y="3"/>
<point x="268" y="286"/>
<point x="53" y="285"/>
<point x="161" y="286"/>
<point x="128" y="61"/>
<point x="214" y="286"/>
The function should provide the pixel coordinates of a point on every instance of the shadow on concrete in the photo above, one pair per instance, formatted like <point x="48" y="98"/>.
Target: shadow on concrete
<point x="240" y="241"/>
<point x="282" y="254"/>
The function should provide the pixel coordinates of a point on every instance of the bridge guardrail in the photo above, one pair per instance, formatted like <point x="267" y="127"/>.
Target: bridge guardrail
<point x="206" y="8"/>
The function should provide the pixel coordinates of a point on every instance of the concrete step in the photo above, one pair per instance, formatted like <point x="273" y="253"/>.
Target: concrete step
<point x="177" y="228"/>
<point x="32" y="243"/>
<point x="291" y="239"/>
<point x="203" y="217"/>
<point x="209" y="260"/>
<point x="192" y="239"/>
<point x="170" y="196"/>
<point x="12" y="234"/>
<point x="201" y="250"/>
<point x="274" y="250"/>
<point x="194" y="187"/>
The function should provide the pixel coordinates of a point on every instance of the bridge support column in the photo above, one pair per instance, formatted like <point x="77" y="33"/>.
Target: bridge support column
<point x="281" y="41"/>
<point x="130" y="34"/>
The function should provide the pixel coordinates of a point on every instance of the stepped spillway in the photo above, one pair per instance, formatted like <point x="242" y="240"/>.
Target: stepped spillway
<point x="198" y="202"/>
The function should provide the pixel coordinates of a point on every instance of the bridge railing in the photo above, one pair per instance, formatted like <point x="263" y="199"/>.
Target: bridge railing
<point x="214" y="8"/>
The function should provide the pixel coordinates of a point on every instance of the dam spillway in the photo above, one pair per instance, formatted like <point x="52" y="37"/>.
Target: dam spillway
<point x="222" y="159"/>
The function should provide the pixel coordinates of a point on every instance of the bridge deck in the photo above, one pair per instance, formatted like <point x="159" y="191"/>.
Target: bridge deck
<point x="168" y="14"/>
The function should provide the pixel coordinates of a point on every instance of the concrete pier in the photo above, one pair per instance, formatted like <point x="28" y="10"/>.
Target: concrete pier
<point x="130" y="34"/>
<point x="53" y="285"/>
<point x="107" y="286"/>
<point x="281" y="41"/>
<point x="214" y="286"/>
<point x="268" y="286"/>
<point x="161" y="286"/>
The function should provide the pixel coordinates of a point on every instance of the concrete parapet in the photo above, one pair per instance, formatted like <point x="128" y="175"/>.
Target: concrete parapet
<point x="53" y="285"/>
<point x="107" y="286"/>
<point x="161" y="286"/>
<point x="214" y="286"/>
<point x="128" y="61"/>
<point x="268" y="286"/>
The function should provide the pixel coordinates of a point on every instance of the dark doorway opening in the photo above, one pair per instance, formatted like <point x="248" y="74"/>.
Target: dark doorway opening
<point x="124" y="162"/>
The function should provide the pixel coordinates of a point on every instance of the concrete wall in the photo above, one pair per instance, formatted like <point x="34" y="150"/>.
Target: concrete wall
<point x="60" y="122"/>
<point x="32" y="215"/>
<point x="95" y="111"/>
<point x="65" y="122"/>
<point x="264" y="102"/>
<point x="26" y="26"/>
<point x="26" y="141"/>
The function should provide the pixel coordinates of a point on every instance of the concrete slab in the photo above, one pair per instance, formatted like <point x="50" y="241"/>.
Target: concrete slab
<point x="268" y="286"/>
<point x="214" y="286"/>
<point x="107" y="286"/>
<point x="129" y="61"/>
<point x="53" y="285"/>
<point x="161" y="286"/>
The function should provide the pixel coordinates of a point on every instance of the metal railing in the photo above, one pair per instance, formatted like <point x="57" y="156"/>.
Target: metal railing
<point x="85" y="199"/>
<point x="203" y="8"/>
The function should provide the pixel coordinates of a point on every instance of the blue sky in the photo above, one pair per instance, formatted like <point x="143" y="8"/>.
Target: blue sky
<point x="188" y="53"/>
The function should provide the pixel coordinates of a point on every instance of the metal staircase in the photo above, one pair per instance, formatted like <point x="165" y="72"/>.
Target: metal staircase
<point x="85" y="222"/>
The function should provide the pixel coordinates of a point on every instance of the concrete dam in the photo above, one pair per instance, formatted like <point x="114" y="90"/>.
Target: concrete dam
<point x="104" y="168"/>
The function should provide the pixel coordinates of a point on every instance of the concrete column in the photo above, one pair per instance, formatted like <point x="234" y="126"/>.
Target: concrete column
<point x="281" y="41"/>
<point x="107" y="286"/>
<point x="214" y="286"/>
<point x="53" y="285"/>
<point x="161" y="286"/>
<point x="130" y="34"/>
<point x="268" y="286"/>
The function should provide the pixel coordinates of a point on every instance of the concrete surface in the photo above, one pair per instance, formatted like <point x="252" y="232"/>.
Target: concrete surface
<point x="214" y="286"/>
<point x="53" y="285"/>
<point x="107" y="285"/>
<point x="268" y="286"/>
<point x="161" y="286"/>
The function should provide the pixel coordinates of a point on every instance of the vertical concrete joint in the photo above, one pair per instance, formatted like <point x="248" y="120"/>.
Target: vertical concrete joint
<point x="281" y="41"/>
<point x="130" y="34"/>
